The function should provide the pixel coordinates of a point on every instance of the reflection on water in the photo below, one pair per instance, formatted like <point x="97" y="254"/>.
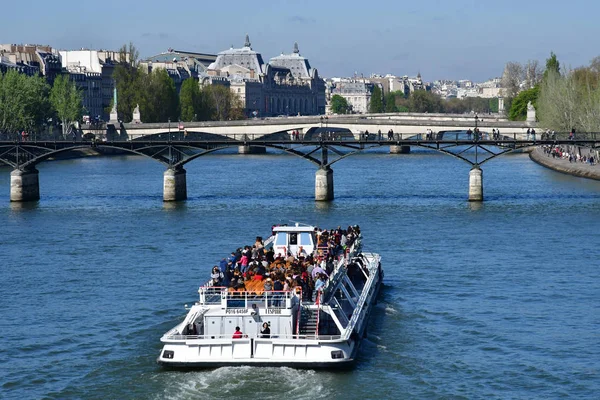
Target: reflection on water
<point x="24" y="206"/>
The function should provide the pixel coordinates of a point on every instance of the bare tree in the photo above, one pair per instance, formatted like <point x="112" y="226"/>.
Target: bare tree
<point x="533" y="73"/>
<point x="512" y="79"/>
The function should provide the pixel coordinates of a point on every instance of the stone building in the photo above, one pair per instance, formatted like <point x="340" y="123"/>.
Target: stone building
<point x="93" y="63"/>
<point x="357" y="93"/>
<point x="31" y="59"/>
<point x="287" y="85"/>
<point x="90" y="86"/>
<point x="180" y="65"/>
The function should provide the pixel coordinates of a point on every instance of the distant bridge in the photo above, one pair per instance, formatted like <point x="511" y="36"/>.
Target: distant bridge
<point x="322" y="149"/>
<point x="404" y="124"/>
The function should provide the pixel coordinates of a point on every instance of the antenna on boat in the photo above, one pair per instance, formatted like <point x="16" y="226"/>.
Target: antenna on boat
<point x="299" y="223"/>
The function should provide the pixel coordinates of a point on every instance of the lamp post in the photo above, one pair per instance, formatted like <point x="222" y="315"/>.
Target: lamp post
<point x="169" y="129"/>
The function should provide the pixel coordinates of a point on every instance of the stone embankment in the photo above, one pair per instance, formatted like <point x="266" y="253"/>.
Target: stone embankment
<point x="582" y="169"/>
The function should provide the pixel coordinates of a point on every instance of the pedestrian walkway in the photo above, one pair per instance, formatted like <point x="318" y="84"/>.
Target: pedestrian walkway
<point x="582" y="169"/>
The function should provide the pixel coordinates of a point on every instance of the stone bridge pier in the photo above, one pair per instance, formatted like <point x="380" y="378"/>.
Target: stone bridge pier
<point x="476" y="184"/>
<point x="175" y="184"/>
<point x="24" y="185"/>
<point x="324" y="184"/>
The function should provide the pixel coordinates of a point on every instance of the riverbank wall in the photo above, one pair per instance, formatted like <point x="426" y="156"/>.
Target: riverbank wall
<point x="581" y="169"/>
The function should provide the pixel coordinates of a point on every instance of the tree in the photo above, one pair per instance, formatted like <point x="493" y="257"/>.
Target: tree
<point x="339" y="105"/>
<point x="24" y="103"/>
<point x="128" y="81"/>
<point x="518" y="108"/>
<point x="557" y="102"/>
<point x="190" y="100"/>
<point x="158" y="97"/>
<point x="223" y="104"/>
<point x="533" y="73"/>
<point x="66" y="101"/>
<point x="552" y="64"/>
<point x="390" y="103"/>
<point x="512" y="79"/>
<point x="422" y="101"/>
<point x="376" y="103"/>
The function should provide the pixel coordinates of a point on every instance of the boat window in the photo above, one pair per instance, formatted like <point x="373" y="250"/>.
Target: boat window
<point x="306" y="239"/>
<point x="293" y="239"/>
<point x="281" y="239"/>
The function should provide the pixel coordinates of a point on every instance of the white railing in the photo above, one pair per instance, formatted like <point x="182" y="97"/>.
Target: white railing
<point x="217" y="295"/>
<point x="184" y="338"/>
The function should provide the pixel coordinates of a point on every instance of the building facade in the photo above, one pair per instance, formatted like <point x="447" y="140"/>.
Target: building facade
<point x="287" y="85"/>
<point x="357" y="93"/>
<point x="93" y="63"/>
<point x="30" y="59"/>
<point x="180" y="65"/>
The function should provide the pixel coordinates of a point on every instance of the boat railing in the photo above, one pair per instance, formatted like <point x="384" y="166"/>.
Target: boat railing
<point x="360" y="304"/>
<point x="216" y="295"/>
<point x="174" y="337"/>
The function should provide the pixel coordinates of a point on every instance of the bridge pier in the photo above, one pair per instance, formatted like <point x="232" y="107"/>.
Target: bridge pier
<point x="396" y="149"/>
<point x="24" y="185"/>
<point x="175" y="185"/>
<point x="476" y="184"/>
<point x="247" y="149"/>
<point x="324" y="184"/>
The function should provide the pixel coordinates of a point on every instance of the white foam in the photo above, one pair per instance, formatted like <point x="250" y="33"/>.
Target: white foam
<point x="263" y="383"/>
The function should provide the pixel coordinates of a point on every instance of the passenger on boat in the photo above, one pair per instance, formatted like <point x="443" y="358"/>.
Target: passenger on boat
<point x="216" y="276"/>
<point x="265" y="331"/>
<point x="238" y="333"/>
<point x="301" y="253"/>
<point x="319" y="284"/>
<point x="268" y="286"/>
<point x="318" y="270"/>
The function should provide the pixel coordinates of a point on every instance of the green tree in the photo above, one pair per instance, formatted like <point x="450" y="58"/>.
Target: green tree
<point x="158" y="97"/>
<point x="24" y="103"/>
<point x="552" y="64"/>
<point x="376" y="103"/>
<point x="66" y="101"/>
<point x="390" y="103"/>
<point x="339" y="105"/>
<point x="422" y="101"/>
<point x="518" y="108"/>
<point x="190" y="100"/>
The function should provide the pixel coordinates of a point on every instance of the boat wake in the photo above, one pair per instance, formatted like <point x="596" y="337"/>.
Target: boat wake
<point x="247" y="382"/>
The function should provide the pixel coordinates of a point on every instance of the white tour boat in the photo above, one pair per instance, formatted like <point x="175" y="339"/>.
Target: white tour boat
<point x="321" y="332"/>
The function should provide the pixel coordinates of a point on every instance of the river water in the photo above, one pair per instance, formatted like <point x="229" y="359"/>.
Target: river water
<point x="495" y="300"/>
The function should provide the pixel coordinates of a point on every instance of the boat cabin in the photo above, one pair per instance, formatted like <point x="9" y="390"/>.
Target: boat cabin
<point x="289" y="239"/>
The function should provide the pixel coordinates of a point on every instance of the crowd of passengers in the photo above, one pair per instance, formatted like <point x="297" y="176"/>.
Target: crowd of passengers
<point x="285" y="272"/>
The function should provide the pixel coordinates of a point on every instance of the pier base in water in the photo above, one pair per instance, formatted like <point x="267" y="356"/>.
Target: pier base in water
<point x="175" y="185"/>
<point x="24" y="185"/>
<point x="251" y="150"/>
<point x="324" y="184"/>
<point x="476" y="184"/>
<point x="395" y="149"/>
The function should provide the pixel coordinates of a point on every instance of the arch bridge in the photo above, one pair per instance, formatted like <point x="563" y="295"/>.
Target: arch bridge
<point x="321" y="147"/>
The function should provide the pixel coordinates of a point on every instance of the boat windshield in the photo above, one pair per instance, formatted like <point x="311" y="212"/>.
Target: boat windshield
<point x="281" y="239"/>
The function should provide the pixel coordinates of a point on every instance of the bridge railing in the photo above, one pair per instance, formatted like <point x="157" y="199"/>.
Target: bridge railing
<point x="235" y="138"/>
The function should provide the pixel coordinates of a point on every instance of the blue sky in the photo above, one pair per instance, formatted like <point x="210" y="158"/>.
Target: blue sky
<point x="460" y="39"/>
